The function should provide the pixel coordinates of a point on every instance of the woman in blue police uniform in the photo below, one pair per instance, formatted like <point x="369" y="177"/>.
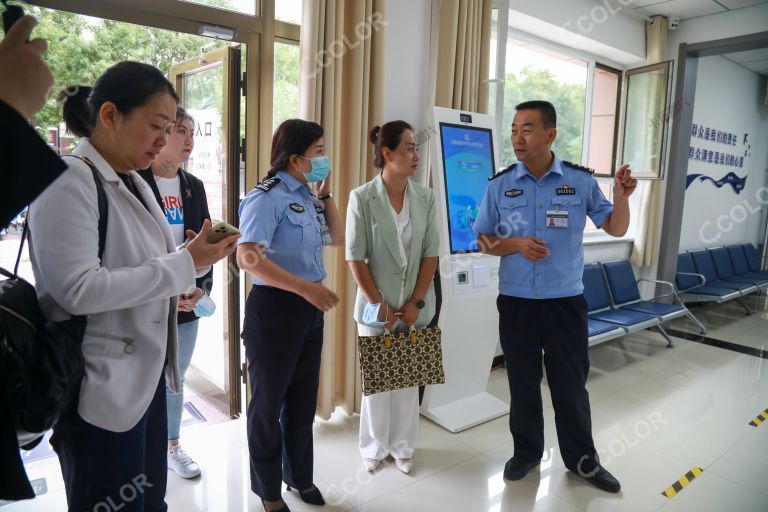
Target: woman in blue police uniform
<point x="284" y="227"/>
<point x="533" y="216"/>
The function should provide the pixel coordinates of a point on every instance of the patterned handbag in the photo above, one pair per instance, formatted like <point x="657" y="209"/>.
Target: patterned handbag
<point x="401" y="360"/>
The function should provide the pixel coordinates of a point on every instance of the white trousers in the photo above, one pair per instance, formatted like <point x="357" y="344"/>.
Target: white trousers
<point x="389" y="421"/>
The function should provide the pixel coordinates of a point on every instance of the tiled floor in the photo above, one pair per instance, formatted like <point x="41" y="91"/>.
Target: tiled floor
<point x="657" y="413"/>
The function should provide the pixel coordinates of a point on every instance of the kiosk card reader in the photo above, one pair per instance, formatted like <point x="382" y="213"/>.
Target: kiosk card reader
<point x="465" y="155"/>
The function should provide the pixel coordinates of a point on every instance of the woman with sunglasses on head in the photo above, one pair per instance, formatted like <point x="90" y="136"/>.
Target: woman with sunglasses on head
<point x="182" y="197"/>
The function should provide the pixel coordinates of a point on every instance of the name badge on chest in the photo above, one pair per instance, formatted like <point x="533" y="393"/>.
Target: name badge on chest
<point x="325" y="233"/>
<point x="557" y="218"/>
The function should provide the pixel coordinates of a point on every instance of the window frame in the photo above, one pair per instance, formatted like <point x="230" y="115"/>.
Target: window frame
<point x="616" y="126"/>
<point x="291" y="42"/>
<point x="592" y="61"/>
<point x="503" y="33"/>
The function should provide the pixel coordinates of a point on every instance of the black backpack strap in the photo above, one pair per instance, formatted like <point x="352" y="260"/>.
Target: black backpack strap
<point x="103" y="217"/>
<point x="102" y="203"/>
<point x="21" y="246"/>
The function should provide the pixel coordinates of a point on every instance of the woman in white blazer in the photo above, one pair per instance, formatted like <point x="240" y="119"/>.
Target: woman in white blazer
<point x="392" y="248"/>
<point x="115" y="434"/>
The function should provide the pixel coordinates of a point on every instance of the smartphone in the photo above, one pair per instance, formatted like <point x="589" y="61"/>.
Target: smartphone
<point x="221" y="230"/>
<point x="11" y="15"/>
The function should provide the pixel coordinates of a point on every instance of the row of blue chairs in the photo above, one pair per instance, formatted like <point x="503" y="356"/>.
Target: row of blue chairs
<point x="720" y="275"/>
<point x="616" y="308"/>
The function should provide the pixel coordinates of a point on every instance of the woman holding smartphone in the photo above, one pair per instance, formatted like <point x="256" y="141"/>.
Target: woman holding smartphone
<point x="116" y="432"/>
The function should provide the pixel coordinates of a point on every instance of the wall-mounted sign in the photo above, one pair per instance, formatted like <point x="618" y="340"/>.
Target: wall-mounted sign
<point x="722" y="148"/>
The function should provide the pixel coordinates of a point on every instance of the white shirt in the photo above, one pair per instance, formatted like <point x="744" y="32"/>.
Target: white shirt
<point x="404" y="236"/>
<point x="173" y="207"/>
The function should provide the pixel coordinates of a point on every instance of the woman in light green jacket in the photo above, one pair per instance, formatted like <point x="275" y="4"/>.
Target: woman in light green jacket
<point x="392" y="248"/>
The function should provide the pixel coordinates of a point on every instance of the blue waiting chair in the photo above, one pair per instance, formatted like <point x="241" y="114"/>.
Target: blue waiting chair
<point x="599" y="306"/>
<point x="625" y="294"/>
<point x="753" y="260"/>
<point x="741" y="266"/>
<point x="599" y="331"/>
<point x="603" y="331"/>
<point x="704" y="266"/>
<point x="726" y="271"/>
<point x="693" y="287"/>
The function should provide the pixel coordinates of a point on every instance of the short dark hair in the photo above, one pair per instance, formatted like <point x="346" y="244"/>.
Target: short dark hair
<point x="292" y="137"/>
<point x="545" y="108"/>
<point x="387" y="136"/>
<point x="129" y="85"/>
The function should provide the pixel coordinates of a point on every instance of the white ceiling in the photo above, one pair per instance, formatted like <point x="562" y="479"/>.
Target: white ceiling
<point x="756" y="60"/>
<point x="685" y="9"/>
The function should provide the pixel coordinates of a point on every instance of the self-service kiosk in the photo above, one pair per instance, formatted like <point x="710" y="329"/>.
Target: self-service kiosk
<point x="465" y="156"/>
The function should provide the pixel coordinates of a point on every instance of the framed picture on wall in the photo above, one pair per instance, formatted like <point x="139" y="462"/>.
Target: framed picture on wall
<point x="646" y="116"/>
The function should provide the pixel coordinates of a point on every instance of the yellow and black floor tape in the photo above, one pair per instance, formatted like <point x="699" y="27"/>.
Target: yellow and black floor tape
<point x="675" y="488"/>
<point x="760" y="418"/>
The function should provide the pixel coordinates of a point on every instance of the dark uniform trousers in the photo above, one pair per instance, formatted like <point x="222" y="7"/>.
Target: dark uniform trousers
<point x="105" y="471"/>
<point x="558" y="327"/>
<point x="283" y="337"/>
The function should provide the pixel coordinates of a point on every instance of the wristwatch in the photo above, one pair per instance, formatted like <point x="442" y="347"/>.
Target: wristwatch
<point x="420" y="303"/>
<point x="329" y="195"/>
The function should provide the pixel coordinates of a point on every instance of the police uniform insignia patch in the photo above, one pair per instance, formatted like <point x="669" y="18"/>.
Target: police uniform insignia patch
<point x="578" y="167"/>
<point x="513" y="193"/>
<point x="319" y="208"/>
<point x="268" y="184"/>
<point x="297" y="207"/>
<point x="505" y="171"/>
<point x="565" y="190"/>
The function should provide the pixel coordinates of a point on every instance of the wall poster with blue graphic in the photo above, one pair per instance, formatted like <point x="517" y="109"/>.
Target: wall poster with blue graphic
<point x="468" y="162"/>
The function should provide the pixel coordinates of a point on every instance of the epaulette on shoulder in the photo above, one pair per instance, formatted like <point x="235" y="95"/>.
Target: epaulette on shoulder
<point x="578" y="167"/>
<point x="267" y="184"/>
<point x="505" y="171"/>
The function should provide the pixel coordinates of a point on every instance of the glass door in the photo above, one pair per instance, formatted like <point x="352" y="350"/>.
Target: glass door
<point x="210" y="90"/>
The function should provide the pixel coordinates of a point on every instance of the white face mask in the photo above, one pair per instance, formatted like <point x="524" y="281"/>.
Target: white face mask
<point x="205" y="306"/>
<point x="372" y="315"/>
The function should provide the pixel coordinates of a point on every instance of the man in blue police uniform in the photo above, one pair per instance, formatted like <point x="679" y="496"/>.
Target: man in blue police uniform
<point x="533" y="216"/>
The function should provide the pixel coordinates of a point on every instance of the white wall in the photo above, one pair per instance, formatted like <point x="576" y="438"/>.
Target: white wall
<point x="407" y="52"/>
<point x="728" y="97"/>
<point x="740" y="22"/>
<point x="406" y="61"/>
<point x="601" y="28"/>
<point x="735" y="23"/>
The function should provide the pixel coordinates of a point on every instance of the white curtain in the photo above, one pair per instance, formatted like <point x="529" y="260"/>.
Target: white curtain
<point x="342" y="44"/>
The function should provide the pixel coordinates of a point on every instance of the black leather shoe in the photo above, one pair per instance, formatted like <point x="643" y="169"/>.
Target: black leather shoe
<point x="602" y="479"/>
<point x="284" y="508"/>
<point x="312" y="497"/>
<point x="517" y="468"/>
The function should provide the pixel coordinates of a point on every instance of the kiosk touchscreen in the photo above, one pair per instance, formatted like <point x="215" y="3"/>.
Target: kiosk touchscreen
<point x="467" y="164"/>
<point x="465" y="154"/>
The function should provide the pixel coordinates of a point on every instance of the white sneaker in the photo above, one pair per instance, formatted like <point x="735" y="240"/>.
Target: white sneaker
<point x="404" y="465"/>
<point x="181" y="463"/>
<point x="370" y="465"/>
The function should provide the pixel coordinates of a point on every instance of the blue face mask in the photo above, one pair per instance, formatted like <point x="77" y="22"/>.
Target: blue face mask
<point x="205" y="306"/>
<point x="371" y="316"/>
<point x="321" y="167"/>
